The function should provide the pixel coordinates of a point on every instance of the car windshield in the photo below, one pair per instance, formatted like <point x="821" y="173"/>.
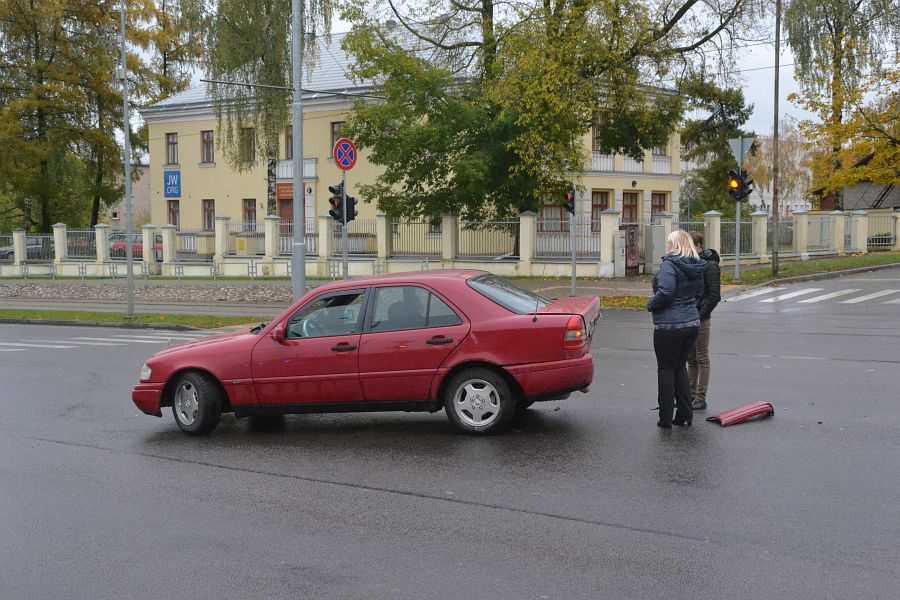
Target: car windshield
<point x="507" y="295"/>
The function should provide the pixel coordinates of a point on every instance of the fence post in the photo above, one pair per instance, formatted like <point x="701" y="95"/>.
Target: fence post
<point x="221" y="239"/>
<point x="449" y="237"/>
<point x="326" y="239"/>
<point x="59" y="243"/>
<point x="527" y="233"/>
<point x="383" y="236"/>
<point x="801" y="234"/>
<point x="838" y="228"/>
<point x="712" y="230"/>
<point x="20" y="252"/>
<point x="273" y="237"/>
<point x="102" y="239"/>
<point x="609" y="226"/>
<point x="760" y="235"/>
<point x="168" y="237"/>
<point x="667" y="220"/>
<point x="896" y="231"/>
<point x="148" y="248"/>
<point x="859" y="231"/>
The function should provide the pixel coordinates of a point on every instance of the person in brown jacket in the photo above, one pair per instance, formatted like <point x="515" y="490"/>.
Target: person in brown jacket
<point x="698" y="358"/>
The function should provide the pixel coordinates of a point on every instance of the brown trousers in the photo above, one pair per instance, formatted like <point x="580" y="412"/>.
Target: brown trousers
<point x="698" y="363"/>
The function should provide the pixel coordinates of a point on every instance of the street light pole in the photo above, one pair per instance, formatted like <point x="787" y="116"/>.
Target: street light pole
<point x="298" y="257"/>
<point x="126" y="128"/>
<point x="776" y="215"/>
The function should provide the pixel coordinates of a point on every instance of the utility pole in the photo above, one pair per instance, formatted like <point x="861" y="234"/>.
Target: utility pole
<point x="298" y="257"/>
<point x="776" y="216"/>
<point x="126" y="128"/>
<point x="344" y="222"/>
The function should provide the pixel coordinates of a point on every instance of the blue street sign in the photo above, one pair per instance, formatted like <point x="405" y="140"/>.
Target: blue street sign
<point x="172" y="184"/>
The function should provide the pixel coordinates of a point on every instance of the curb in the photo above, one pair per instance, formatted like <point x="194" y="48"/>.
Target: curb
<point x="94" y="324"/>
<point x="818" y="276"/>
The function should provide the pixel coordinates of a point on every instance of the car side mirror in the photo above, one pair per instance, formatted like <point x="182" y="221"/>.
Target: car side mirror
<point x="278" y="334"/>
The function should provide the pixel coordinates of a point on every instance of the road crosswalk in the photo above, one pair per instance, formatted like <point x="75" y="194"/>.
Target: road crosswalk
<point x="814" y="295"/>
<point x="113" y="340"/>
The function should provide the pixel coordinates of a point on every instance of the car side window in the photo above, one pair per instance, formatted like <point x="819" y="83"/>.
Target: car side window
<point x="409" y="307"/>
<point x="332" y="315"/>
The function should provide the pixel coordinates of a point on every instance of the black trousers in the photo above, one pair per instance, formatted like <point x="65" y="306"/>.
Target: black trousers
<point x="672" y="347"/>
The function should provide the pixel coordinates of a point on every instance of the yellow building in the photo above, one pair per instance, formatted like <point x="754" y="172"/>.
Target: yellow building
<point x="191" y="183"/>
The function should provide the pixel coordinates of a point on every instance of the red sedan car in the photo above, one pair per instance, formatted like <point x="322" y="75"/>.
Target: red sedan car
<point x="465" y="341"/>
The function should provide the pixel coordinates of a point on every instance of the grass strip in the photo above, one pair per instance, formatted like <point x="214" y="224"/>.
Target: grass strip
<point x="624" y="302"/>
<point x="810" y="267"/>
<point x="142" y="320"/>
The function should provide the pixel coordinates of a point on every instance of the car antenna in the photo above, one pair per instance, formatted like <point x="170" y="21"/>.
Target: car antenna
<point x="537" y="306"/>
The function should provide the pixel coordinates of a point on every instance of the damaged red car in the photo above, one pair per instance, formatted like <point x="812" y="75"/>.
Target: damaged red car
<point x="467" y="342"/>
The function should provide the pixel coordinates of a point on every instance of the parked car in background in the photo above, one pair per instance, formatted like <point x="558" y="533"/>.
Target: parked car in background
<point x="118" y="246"/>
<point x="467" y="342"/>
<point x="35" y="249"/>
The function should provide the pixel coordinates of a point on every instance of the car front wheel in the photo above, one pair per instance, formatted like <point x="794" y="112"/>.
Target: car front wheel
<point x="196" y="404"/>
<point x="479" y="401"/>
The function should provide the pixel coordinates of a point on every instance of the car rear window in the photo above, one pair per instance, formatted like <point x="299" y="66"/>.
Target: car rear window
<point x="509" y="296"/>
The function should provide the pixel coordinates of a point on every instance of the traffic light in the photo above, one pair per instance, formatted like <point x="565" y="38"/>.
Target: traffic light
<point x="740" y="184"/>
<point x="336" y="201"/>
<point x="351" y="208"/>
<point x="570" y="202"/>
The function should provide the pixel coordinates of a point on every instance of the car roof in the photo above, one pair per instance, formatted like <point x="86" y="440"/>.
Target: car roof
<point x="407" y="277"/>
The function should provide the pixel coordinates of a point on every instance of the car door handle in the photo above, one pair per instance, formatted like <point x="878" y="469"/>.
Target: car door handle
<point x="343" y="347"/>
<point x="439" y="340"/>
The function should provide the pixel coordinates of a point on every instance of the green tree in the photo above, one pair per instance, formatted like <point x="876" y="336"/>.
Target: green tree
<point x="705" y="143"/>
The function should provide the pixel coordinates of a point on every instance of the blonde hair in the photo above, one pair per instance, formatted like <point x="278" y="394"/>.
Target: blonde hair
<point x="681" y="244"/>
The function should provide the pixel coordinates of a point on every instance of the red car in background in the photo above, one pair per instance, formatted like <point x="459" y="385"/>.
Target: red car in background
<point x="465" y="341"/>
<point x="118" y="247"/>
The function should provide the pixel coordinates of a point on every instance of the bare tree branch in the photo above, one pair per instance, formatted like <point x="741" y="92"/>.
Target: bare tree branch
<point x="432" y="41"/>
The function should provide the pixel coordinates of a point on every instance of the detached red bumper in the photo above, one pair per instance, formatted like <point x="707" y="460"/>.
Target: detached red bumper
<point x="553" y="378"/>
<point x="148" y="397"/>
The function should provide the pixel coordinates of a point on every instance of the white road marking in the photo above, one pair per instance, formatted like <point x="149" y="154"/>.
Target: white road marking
<point x="81" y="343"/>
<point x="198" y="334"/>
<point x="880" y="294"/>
<point x="895" y="301"/>
<point x="29" y="345"/>
<point x="151" y="338"/>
<point x="12" y="349"/>
<point x="824" y="297"/>
<point x="794" y="294"/>
<point x="96" y="339"/>
<point x="753" y="294"/>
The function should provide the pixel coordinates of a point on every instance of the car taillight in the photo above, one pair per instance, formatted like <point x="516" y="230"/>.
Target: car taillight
<point x="575" y="333"/>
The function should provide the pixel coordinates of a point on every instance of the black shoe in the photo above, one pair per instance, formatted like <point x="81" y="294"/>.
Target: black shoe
<point x="664" y="425"/>
<point x="699" y="405"/>
<point x="682" y="422"/>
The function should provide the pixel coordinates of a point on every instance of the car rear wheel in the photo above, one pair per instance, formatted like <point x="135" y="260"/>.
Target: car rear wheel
<point x="196" y="404"/>
<point x="479" y="401"/>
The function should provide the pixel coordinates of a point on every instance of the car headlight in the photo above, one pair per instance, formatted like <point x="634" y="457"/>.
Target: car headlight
<point x="146" y="373"/>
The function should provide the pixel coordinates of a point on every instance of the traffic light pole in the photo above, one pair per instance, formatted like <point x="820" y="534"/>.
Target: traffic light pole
<point x="572" y="224"/>
<point x="344" y="219"/>
<point x="737" y="225"/>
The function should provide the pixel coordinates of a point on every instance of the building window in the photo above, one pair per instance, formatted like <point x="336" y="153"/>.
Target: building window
<point x="249" y="214"/>
<point x="207" y="147"/>
<point x="599" y="203"/>
<point x="174" y="214"/>
<point x="209" y="215"/>
<point x="289" y="143"/>
<point x="435" y="226"/>
<point x="247" y="151"/>
<point x="171" y="148"/>
<point x="657" y="203"/>
<point x="660" y="151"/>
<point x="553" y="218"/>
<point x="336" y="131"/>
<point x="595" y="137"/>
<point x="115" y="214"/>
<point x="629" y="207"/>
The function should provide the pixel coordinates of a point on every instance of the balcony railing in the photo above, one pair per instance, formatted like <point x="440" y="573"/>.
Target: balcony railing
<point x="285" y="168"/>
<point x="662" y="165"/>
<point x="602" y="162"/>
<point x="633" y="166"/>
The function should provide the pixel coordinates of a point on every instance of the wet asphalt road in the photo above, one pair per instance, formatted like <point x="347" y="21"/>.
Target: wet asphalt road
<point x="585" y="498"/>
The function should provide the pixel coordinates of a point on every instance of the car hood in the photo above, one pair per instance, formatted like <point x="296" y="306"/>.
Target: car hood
<point x="209" y="342"/>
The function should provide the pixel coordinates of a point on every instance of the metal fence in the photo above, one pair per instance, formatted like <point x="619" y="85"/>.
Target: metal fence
<point x="693" y="226"/>
<point x="39" y="248"/>
<point x="416" y="238"/>
<point x="193" y="246"/>
<point x="729" y="238"/>
<point x="554" y="239"/>
<point x="881" y="232"/>
<point x="361" y="239"/>
<point x="7" y="252"/>
<point x="820" y="233"/>
<point x="81" y="244"/>
<point x="245" y="239"/>
<point x="286" y="238"/>
<point x="495" y="240"/>
<point x="784" y="241"/>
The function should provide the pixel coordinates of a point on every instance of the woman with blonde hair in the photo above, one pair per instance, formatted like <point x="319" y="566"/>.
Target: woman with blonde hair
<point x="677" y="288"/>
